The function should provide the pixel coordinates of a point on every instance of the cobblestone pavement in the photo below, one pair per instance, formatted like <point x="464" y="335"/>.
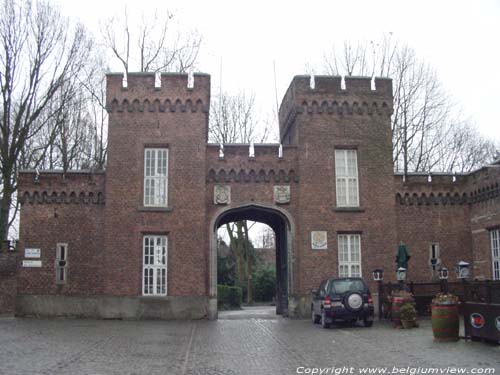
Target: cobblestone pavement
<point x="256" y="345"/>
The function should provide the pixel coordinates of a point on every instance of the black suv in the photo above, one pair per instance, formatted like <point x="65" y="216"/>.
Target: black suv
<point x="347" y="299"/>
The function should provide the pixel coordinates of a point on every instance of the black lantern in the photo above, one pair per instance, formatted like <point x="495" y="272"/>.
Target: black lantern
<point x="378" y="274"/>
<point x="463" y="270"/>
<point x="443" y="273"/>
<point x="401" y="274"/>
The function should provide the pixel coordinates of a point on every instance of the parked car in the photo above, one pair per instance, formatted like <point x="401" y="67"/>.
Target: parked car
<point x="347" y="299"/>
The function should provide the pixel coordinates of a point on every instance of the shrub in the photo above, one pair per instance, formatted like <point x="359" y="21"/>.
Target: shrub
<point x="229" y="297"/>
<point x="408" y="311"/>
<point x="264" y="284"/>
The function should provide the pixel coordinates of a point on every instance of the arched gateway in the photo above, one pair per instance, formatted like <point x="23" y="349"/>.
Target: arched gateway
<point x="281" y="223"/>
<point x="138" y="239"/>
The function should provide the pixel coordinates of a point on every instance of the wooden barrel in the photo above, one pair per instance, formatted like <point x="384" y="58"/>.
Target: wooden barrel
<point x="397" y="302"/>
<point x="445" y="322"/>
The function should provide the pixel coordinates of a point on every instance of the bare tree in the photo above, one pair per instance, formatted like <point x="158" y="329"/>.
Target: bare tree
<point x="423" y="122"/>
<point x="151" y="45"/>
<point x="233" y="120"/>
<point x="40" y="54"/>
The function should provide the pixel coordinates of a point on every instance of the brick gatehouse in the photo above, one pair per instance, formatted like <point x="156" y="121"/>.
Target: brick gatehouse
<point x="138" y="240"/>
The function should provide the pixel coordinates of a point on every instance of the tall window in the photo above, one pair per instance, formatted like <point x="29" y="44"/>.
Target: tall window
<point x="349" y="255"/>
<point x="155" y="266"/>
<point x="495" y="253"/>
<point x="155" y="176"/>
<point x="61" y="263"/>
<point x="346" y="173"/>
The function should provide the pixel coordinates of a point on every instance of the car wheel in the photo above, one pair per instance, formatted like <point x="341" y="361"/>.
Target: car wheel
<point x="368" y="322"/>
<point x="324" y="324"/>
<point x="315" y="318"/>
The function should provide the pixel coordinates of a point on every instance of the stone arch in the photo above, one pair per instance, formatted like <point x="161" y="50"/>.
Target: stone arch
<point x="281" y="221"/>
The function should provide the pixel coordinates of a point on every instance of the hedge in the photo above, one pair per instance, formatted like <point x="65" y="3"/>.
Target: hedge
<point x="229" y="297"/>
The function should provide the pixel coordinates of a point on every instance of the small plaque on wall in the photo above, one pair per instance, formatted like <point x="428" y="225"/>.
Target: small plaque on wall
<point x="32" y="263"/>
<point x="222" y="194"/>
<point x="32" y="253"/>
<point x="319" y="240"/>
<point x="282" y="194"/>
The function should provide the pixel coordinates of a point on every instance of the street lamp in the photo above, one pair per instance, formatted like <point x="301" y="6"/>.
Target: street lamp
<point x="401" y="274"/>
<point x="463" y="270"/>
<point x="443" y="276"/>
<point x="378" y="274"/>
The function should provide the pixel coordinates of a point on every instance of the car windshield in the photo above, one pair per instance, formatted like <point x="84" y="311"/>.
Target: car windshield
<point x="344" y="286"/>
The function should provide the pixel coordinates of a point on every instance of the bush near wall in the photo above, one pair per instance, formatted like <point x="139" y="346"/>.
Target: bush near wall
<point x="229" y="297"/>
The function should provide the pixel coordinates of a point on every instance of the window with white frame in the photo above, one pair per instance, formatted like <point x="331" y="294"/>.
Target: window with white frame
<point x="155" y="177"/>
<point x="61" y="263"/>
<point x="155" y="266"/>
<point x="495" y="253"/>
<point x="349" y="255"/>
<point x="346" y="174"/>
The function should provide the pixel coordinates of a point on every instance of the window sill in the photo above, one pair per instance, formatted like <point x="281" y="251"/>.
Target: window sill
<point x="154" y="209"/>
<point x="348" y="209"/>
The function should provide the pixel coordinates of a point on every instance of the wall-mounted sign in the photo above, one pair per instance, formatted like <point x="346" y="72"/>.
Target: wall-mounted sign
<point x="32" y="263"/>
<point x="318" y="240"/>
<point x="477" y="320"/>
<point x="32" y="253"/>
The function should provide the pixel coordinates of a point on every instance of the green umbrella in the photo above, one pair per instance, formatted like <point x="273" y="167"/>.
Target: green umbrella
<point x="402" y="257"/>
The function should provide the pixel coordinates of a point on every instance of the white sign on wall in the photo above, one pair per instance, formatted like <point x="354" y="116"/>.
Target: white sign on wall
<point x="32" y="263"/>
<point x="318" y="240"/>
<point x="32" y="253"/>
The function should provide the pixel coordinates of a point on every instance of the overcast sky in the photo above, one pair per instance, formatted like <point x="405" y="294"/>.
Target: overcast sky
<point x="460" y="39"/>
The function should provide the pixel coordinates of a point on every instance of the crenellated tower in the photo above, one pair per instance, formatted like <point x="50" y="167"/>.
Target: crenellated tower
<point x="155" y="178"/>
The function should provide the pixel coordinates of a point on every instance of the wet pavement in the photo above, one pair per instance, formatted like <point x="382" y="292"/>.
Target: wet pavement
<point x="250" y="341"/>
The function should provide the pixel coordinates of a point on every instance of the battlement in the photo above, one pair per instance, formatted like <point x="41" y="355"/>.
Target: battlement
<point x="335" y="95"/>
<point x="150" y="92"/>
<point x="57" y="186"/>
<point x="235" y="163"/>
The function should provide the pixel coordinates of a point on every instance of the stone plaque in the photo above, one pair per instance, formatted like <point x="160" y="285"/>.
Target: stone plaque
<point x="32" y="253"/>
<point x="282" y="194"/>
<point x="222" y="194"/>
<point x="319" y="240"/>
<point x="32" y="263"/>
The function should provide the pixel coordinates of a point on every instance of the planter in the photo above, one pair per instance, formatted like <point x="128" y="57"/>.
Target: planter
<point x="407" y="324"/>
<point x="445" y="322"/>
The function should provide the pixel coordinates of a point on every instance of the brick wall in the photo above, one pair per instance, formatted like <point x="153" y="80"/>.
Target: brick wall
<point x="62" y="208"/>
<point x="172" y="116"/>
<point x="8" y="281"/>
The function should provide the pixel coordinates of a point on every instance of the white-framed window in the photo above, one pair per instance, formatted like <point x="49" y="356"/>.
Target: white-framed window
<point x="61" y="263"/>
<point x="349" y="255"/>
<point x="346" y="177"/>
<point x="155" y="266"/>
<point x="155" y="177"/>
<point x="495" y="253"/>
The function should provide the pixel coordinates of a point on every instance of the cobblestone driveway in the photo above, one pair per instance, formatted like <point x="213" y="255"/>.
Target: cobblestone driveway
<point x="232" y="345"/>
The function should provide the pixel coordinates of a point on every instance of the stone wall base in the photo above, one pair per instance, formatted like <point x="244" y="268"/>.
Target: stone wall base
<point x="110" y="307"/>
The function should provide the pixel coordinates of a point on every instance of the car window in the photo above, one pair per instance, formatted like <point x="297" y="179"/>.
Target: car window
<point x="344" y="286"/>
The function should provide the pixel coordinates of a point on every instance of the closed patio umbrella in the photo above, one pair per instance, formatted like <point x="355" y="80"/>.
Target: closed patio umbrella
<point x="402" y="256"/>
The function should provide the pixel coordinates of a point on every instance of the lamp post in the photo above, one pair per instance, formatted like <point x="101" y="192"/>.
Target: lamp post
<point x="401" y="277"/>
<point x="443" y="276"/>
<point x="463" y="272"/>
<point x="378" y="276"/>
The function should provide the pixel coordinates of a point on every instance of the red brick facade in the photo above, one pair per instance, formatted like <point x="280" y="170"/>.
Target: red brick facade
<point x="102" y="218"/>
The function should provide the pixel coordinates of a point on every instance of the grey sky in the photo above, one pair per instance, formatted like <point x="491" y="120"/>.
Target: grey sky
<point x="459" y="38"/>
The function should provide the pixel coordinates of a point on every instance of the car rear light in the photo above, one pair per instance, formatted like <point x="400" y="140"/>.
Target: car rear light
<point x="327" y="302"/>
<point x="370" y="299"/>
